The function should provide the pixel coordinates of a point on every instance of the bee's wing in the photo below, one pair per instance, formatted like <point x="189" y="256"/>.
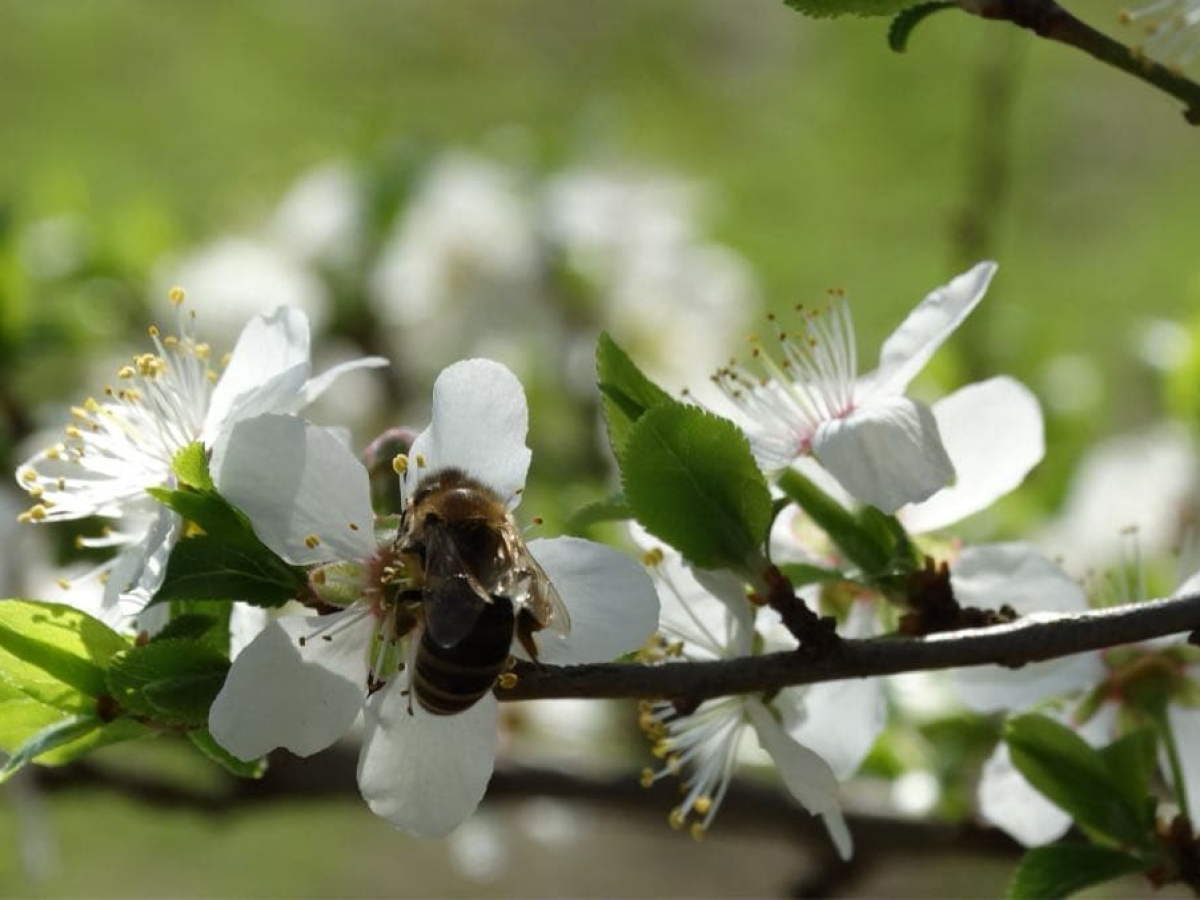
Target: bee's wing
<point x="454" y="599"/>
<point x="537" y="593"/>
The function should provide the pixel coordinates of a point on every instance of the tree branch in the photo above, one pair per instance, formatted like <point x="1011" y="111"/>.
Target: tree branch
<point x="1049" y="20"/>
<point x="1024" y="641"/>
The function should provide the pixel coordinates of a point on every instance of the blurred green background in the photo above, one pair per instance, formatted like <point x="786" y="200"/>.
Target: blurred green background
<point x="135" y="132"/>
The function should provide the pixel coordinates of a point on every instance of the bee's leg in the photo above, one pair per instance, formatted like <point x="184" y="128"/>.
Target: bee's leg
<point x="526" y="626"/>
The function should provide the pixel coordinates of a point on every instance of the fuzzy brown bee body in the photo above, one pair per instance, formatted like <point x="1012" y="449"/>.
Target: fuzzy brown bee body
<point x="480" y="588"/>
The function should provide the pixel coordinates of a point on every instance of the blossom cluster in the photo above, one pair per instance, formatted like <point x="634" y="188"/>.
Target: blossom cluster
<point x="410" y="620"/>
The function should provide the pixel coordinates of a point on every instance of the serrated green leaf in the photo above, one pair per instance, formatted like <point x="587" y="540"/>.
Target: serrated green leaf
<point x="1075" y="777"/>
<point x="170" y="681"/>
<point x="692" y="481"/>
<point x="190" y="466"/>
<point x="189" y="626"/>
<point x="1049" y="873"/>
<point x="614" y="508"/>
<point x="203" y="740"/>
<point x="204" y="568"/>
<point x="865" y="546"/>
<point x="216" y="612"/>
<point x="828" y="9"/>
<point x="625" y="391"/>
<point x="906" y="22"/>
<point x="56" y="734"/>
<point x="55" y="654"/>
<point x="210" y="511"/>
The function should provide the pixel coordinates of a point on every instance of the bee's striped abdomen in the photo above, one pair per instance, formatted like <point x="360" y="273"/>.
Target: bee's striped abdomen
<point x="449" y="680"/>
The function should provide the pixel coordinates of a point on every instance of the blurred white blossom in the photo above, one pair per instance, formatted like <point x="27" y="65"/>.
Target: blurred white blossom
<point x="1171" y="29"/>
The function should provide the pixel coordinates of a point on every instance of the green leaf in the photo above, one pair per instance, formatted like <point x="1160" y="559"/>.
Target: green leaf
<point x="1075" y="777"/>
<point x="614" y="508"/>
<point x="204" y="568"/>
<point x="902" y="26"/>
<point x="692" y="481"/>
<point x="625" y="391"/>
<point x="190" y="466"/>
<point x="210" y="511"/>
<point x="55" y="654"/>
<point x="1048" y="873"/>
<point x="114" y="732"/>
<point x="800" y="574"/>
<point x="1132" y="761"/>
<point x="21" y="717"/>
<point x="64" y="731"/>
<point x="189" y="626"/>
<point x="863" y="544"/>
<point x="172" y="682"/>
<point x="828" y="9"/>
<point x="206" y="744"/>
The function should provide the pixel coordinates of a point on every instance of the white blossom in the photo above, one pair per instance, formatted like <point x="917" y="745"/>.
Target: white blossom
<point x="884" y="448"/>
<point x="1171" y="28"/>
<point x="706" y="616"/>
<point x="124" y="443"/>
<point x="305" y="679"/>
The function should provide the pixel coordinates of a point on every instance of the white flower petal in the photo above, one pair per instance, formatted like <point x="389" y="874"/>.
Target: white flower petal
<point x="294" y="481"/>
<point x="1012" y="804"/>
<point x="424" y="773"/>
<point x="478" y="424"/>
<point x="265" y="373"/>
<point x="887" y="454"/>
<point x="317" y="386"/>
<point x="840" y="720"/>
<point x="933" y="320"/>
<point x="610" y="598"/>
<point x="246" y="622"/>
<point x="281" y="694"/>
<point x="988" y="689"/>
<point x="993" y="433"/>
<point x="807" y="776"/>
<point x="991" y="575"/>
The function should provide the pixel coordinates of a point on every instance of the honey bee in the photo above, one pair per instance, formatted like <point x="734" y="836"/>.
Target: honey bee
<point x="480" y="586"/>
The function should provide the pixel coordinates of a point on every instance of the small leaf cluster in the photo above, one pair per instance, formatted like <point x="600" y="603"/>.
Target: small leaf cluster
<point x="1109" y="792"/>
<point x="70" y="684"/>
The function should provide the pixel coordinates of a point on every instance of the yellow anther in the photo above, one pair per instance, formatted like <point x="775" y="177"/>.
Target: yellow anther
<point x="53" y="452"/>
<point x="652" y="557"/>
<point x="353" y="527"/>
<point x="420" y="461"/>
<point x="171" y="341"/>
<point x="91" y="405"/>
<point x="36" y="492"/>
<point x="79" y="542"/>
<point x="211" y="376"/>
<point x="677" y="818"/>
<point x="697" y="831"/>
<point x="63" y="583"/>
<point x="80" y="413"/>
<point x="61" y="484"/>
<point x="24" y="517"/>
<point x="73" y="432"/>
<point x="702" y="805"/>
<point x="176" y="295"/>
<point x="29" y="474"/>
<point x="126" y="372"/>
<point x="225" y="360"/>
<point x="674" y="763"/>
<point x="311" y="541"/>
<point x="153" y="331"/>
<point x="38" y="513"/>
<point x="661" y="749"/>
<point x="202" y="351"/>
<point x="508" y="681"/>
<point x="103" y="577"/>
<point x="647" y="778"/>
<point x="400" y="463"/>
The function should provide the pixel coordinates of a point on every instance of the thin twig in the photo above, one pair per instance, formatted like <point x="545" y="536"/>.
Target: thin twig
<point x="1024" y="641"/>
<point x="1049" y="20"/>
